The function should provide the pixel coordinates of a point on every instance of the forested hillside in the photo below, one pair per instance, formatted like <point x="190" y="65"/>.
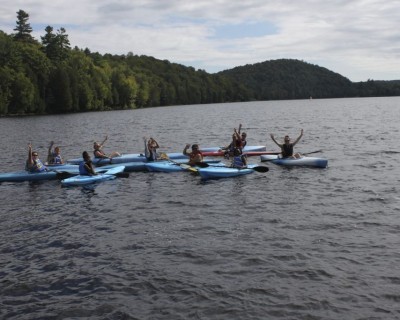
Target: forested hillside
<point x="51" y="77"/>
<point x="290" y="79"/>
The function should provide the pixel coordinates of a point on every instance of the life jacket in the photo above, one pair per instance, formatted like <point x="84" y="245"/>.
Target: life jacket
<point x="82" y="169"/>
<point x="151" y="155"/>
<point x="287" y="150"/>
<point x="193" y="155"/>
<point x="37" y="166"/>
<point x="102" y="154"/>
<point x="237" y="162"/>
<point x="56" y="158"/>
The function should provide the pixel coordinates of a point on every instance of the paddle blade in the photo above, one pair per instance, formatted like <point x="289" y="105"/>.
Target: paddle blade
<point x="188" y="168"/>
<point x="202" y="164"/>
<point x="163" y="156"/>
<point x="122" y="175"/>
<point x="261" y="169"/>
<point x="63" y="175"/>
<point x="304" y="154"/>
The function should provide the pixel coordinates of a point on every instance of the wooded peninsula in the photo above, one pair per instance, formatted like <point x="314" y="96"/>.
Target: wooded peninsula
<point x="50" y="77"/>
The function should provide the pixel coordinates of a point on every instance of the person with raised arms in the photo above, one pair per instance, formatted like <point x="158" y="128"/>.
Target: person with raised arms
<point x="238" y="142"/>
<point x="54" y="156"/>
<point x="195" y="156"/>
<point x="287" y="147"/>
<point x="100" y="154"/>
<point x="150" y="149"/>
<point x="33" y="163"/>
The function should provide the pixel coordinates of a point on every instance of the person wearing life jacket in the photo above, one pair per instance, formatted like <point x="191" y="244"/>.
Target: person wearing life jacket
<point x="54" y="156"/>
<point x="86" y="166"/>
<point x="195" y="156"/>
<point x="287" y="147"/>
<point x="33" y="163"/>
<point x="100" y="154"/>
<point x="243" y="140"/>
<point x="235" y="143"/>
<point x="239" y="160"/>
<point x="150" y="149"/>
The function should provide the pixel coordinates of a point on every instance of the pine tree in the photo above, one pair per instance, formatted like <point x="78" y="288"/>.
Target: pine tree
<point x="23" y="28"/>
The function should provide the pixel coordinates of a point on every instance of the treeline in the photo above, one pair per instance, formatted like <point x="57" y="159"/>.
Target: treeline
<point x="294" y="79"/>
<point x="51" y="77"/>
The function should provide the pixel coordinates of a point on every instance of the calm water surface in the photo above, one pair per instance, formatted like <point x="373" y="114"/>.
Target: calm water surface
<point x="294" y="243"/>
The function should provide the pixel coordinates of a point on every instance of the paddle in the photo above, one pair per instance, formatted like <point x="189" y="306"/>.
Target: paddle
<point x="258" y="168"/>
<point x="307" y="153"/>
<point x="63" y="175"/>
<point x="184" y="166"/>
<point x="121" y="174"/>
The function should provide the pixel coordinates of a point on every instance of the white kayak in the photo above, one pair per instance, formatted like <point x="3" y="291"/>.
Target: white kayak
<point x="84" y="179"/>
<point x="291" y="162"/>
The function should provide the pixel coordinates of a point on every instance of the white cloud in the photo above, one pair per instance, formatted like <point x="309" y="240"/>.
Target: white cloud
<point x="356" y="38"/>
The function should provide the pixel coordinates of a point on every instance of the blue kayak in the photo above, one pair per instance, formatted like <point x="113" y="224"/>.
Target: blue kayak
<point x="83" y="179"/>
<point x="214" y="172"/>
<point x="23" y="175"/>
<point x="174" y="166"/>
<point x="292" y="162"/>
<point x="166" y="166"/>
<point x="133" y="157"/>
<point x="59" y="171"/>
<point x="139" y="157"/>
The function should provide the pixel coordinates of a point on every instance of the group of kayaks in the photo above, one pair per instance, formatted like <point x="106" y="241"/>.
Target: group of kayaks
<point x="109" y="169"/>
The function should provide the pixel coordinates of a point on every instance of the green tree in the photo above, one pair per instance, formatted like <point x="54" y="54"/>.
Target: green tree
<point x="56" y="46"/>
<point x="23" y="93"/>
<point x="23" y="28"/>
<point x="59" y="98"/>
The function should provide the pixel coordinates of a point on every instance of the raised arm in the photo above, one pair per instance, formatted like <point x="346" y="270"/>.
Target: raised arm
<point x="276" y="142"/>
<point x="49" y="152"/>
<point x="50" y="146"/>
<point x="185" y="149"/>
<point x="238" y="140"/>
<point x="156" y="146"/>
<point x="105" y="139"/>
<point x="30" y="161"/>
<point x="299" y="137"/>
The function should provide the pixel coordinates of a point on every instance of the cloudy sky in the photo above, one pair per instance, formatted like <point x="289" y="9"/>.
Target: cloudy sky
<point x="359" y="39"/>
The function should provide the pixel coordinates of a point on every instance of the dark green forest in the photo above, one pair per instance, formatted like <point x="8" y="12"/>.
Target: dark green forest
<point x="49" y="77"/>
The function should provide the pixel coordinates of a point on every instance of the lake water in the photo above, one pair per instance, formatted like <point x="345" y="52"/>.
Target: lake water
<point x="296" y="243"/>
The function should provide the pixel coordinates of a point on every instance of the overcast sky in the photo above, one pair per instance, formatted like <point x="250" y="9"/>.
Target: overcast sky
<point x="359" y="39"/>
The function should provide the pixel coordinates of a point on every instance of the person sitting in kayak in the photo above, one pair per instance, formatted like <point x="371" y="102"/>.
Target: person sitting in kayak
<point x="100" y="154"/>
<point x="86" y="166"/>
<point x="33" y="163"/>
<point x="150" y="149"/>
<point x="287" y="146"/>
<point x="194" y="156"/>
<point x="243" y="140"/>
<point x="239" y="160"/>
<point x="235" y="143"/>
<point x="54" y="156"/>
